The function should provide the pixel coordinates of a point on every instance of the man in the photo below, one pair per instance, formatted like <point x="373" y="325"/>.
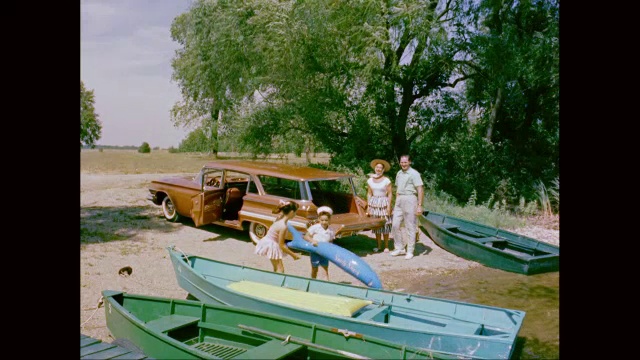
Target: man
<point x="409" y="194"/>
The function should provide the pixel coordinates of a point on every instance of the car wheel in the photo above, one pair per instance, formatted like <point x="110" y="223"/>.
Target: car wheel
<point x="169" y="210"/>
<point x="257" y="231"/>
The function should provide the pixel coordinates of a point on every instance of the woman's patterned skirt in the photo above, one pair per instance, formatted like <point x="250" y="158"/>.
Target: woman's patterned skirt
<point x="377" y="208"/>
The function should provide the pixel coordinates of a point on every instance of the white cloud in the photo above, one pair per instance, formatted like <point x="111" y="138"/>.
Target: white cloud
<point x="126" y="52"/>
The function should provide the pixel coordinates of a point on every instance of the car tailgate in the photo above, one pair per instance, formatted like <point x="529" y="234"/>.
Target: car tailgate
<point x="350" y="224"/>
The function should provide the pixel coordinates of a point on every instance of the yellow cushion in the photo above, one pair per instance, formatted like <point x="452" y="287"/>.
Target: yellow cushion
<point x="330" y="304"/>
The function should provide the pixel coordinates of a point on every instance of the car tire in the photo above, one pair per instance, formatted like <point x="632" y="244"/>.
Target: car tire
<point x="169" y="210"/>
<point x="257" y="231"/>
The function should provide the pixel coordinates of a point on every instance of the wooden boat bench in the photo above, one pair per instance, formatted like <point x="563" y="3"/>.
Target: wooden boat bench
<point x="450" y="227"/>
<point x="172" y="322"/>
<point x="476" y="236"/>
<point x="378" y="313"/>
<point x="274" y="349"/>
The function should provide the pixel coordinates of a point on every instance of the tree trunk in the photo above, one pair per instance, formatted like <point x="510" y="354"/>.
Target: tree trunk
<point x="494" y="114"/>
<point x="216" y="115"/>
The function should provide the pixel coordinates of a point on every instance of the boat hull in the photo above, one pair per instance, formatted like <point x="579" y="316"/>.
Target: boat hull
<point x="490" y="246"/>
<point x="467" y="330"/>
<point x="167" y="328"/>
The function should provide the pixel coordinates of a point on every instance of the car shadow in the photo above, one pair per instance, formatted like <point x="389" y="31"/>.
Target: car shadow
<point x="103" y="224"/>
<point x="223" y="233"/>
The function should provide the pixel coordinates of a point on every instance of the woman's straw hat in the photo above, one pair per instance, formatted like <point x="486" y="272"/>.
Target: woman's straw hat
<point x="384" y="163"/>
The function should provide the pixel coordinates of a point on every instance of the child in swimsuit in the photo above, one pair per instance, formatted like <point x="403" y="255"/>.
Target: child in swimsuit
<point x="320" y="232"/>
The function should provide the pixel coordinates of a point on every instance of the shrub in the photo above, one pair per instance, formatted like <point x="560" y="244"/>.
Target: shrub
<point x="144" y="148"/>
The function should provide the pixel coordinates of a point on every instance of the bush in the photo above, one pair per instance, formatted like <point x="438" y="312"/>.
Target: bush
<point x="144" y="148"/>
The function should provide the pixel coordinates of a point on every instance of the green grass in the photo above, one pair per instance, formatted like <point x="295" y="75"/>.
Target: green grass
<point x="117" y="161"/>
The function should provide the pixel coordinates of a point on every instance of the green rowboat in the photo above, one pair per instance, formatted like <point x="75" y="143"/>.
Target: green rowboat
<point x="454" y="327"/>
<point x="185" y="329"/>
<point x="490" y="246"/>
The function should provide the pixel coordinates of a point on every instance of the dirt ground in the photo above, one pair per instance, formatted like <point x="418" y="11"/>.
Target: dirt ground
<point x="119" y="228"/>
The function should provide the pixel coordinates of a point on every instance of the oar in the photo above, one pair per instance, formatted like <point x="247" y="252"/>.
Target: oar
<point x="291" y="339"/>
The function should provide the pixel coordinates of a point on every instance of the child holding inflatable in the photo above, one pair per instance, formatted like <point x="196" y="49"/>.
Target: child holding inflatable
<point x="320" y="232"/>
<point x="272" y="245"/>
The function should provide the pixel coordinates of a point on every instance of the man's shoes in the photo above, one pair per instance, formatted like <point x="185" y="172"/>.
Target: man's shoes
<point x="397" y="252"/>
<point x="408" y="256"/>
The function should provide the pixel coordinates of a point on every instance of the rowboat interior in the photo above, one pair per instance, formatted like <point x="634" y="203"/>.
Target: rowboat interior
<point x="221" y="341"/>
<point x="494" y="241"/>
<point x="379" y="306"/>
<point x="176" y="328"/>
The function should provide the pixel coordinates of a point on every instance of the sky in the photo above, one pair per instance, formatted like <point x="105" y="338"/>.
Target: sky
<point x="125" y="58"/>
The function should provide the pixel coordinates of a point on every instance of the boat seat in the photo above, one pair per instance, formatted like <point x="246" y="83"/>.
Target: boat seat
<point x="329" y="304"/>
<point x="492" y="240"/>
<point x="274" y="349"/>
<point x="232" y="204"/>
<point x="378" y="313"/>
<point x="464" y="328"/>
<point x="172" y="322"/>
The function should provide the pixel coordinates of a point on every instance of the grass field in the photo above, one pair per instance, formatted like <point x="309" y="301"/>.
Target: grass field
<point x="115" y="161"/>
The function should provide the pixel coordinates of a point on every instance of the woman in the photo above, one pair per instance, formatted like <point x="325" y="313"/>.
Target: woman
<point x="379" y="196"/>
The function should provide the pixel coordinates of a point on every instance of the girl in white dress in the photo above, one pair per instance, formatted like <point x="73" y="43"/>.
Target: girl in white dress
<point x="379" y="196"/>
<point x="272" y="245"/>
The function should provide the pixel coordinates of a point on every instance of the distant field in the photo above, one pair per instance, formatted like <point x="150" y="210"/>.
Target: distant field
<point x="117" y="161"/>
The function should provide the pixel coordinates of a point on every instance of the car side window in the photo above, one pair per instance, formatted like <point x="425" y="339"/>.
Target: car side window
<point x="213" y="179"/>
<point x="237" y="180"/>
<point x="281" y="187"/>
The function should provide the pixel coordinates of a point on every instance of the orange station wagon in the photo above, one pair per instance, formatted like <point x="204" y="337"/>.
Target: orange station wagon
<point x="241" y="194"/>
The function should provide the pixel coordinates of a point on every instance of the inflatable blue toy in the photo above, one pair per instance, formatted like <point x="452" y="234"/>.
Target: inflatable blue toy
<point x="341" y="257"/>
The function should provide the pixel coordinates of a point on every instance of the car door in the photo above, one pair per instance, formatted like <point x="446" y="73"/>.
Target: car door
<point x="206" y="207"/>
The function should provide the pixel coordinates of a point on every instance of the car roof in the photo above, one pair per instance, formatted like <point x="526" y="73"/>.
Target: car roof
<point x="286" y="171"/>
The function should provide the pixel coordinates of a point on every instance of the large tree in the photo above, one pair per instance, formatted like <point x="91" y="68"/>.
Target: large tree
<point x="380" y="78"/>
<point x="516" y="81"/>
<point x="90" y="125"/>
<point x="512" y="89"/>
<point x="342" y="73"/>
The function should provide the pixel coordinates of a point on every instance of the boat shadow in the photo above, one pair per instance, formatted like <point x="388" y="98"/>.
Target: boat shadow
<point x="362" y="245"/>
